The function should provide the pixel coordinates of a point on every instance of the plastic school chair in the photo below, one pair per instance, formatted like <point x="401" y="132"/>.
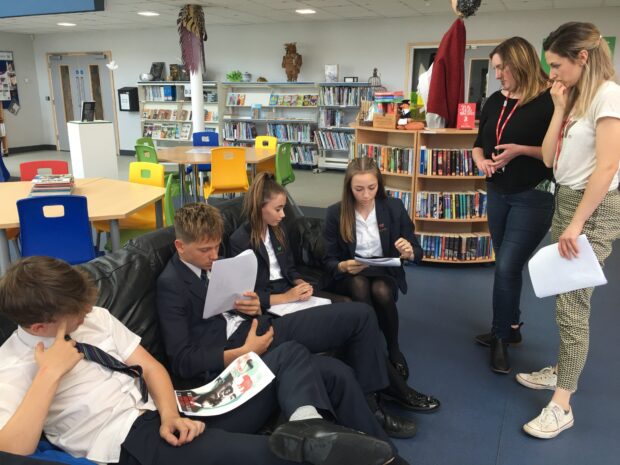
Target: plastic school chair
<point x="266" y="142"/>
<point x="203" y="139"/>
<point x="29" y="169"/>
<point x="56" y="226"/>
<point x="228" y="171"/>
<point x="284" y="169"/>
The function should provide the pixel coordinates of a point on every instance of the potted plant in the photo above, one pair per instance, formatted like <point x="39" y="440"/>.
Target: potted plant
<point x="234" y="76"/>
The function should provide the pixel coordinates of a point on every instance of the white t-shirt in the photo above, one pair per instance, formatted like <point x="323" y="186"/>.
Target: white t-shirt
<point x="577" y="158"/>
<point x="367" y="239"/>
<point x="275" y="272"/>
<point x="94" y="407"/>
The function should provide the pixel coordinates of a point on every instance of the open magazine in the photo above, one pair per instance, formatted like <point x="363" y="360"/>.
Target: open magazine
<point x="245" y="377"/>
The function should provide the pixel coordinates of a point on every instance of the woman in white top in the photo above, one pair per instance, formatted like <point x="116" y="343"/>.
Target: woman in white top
<point x="582" y="145"/>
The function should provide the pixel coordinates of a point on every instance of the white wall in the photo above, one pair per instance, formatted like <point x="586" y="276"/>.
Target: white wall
<point x="357" y="46"/>
<point x="25" y="128"/>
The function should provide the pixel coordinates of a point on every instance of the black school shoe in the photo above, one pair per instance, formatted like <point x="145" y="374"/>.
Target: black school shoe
<point x="412" y="400"/>
<point x="514" y="338"/>
<point x="319" y="442"/>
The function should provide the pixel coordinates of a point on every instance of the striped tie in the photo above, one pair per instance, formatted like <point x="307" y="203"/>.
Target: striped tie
<point x="95" y="354"/>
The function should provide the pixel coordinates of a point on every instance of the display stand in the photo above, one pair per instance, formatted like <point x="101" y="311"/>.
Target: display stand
<point x="93" y="149"/>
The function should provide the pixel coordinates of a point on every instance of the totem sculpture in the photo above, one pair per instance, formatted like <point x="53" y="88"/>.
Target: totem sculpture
<point x="291" y="62"/>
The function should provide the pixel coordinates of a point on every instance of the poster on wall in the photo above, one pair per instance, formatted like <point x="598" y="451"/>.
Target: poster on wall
<point x="8" y="82"/>
<point x="611" y="41"/>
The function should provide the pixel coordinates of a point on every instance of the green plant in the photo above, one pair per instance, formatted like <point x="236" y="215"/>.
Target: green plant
<point x="234" y="76"/>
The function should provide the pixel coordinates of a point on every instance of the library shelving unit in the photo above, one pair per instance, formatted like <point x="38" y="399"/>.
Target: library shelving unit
<point x="394" y="150"/>
<point x="166" y="110"/>
<point x="339" y="103"/>
<point x="3" y="139"/>
<point x="450" y="199"/>
<point x="286" y="110"/>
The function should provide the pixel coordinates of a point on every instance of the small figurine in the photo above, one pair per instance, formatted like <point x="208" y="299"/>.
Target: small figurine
<point x="291" y="62"/>
<point x="405" y="121"/>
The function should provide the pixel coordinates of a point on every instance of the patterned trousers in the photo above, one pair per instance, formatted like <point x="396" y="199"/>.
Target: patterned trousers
<point x="573" y="308"/>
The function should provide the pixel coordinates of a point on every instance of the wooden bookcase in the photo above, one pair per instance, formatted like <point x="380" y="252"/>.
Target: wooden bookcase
<point x="469" y="233"/>
<point x="3" y="138"/>
<point x="166" y="110"/>
<point x="286" y="110"/>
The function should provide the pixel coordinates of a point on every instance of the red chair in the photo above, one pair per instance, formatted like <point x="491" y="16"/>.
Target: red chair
<point x="28" y="170"/>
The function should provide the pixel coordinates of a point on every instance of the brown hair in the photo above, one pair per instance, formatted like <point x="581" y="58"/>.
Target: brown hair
<point x="198" y="221"/>
<point x="520" y="56"/>
<point x="347" y="207"/>
<point x="42" y="289"/>
<point x="568" y="41"/>
<point x="264" y="187"/>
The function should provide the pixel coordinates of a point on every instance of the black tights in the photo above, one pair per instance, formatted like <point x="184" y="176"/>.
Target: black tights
<point x="378" y="292"/>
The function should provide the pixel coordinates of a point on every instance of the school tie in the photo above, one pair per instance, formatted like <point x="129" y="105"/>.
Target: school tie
<point x="203" y="276"/>
<point x="97" y="355"/>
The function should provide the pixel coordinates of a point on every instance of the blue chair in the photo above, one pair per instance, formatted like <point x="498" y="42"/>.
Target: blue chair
<point x="64" y="234"/>
<point x="4" y="173"/>
<point x="203" y="139"/>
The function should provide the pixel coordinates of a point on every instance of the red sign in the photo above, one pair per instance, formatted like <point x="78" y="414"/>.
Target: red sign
<point x="466" y="117"/>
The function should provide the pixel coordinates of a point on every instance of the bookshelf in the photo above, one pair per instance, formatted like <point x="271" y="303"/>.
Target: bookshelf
<point x="3" y="139"/>
<point x="166" y="110"/>
<point x="450" y="199"/>
<point x="339" y="103"/>
<point x="286" y="110"/>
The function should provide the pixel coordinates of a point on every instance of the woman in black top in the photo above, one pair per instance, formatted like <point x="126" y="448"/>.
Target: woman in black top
<point x="508" y="151"/>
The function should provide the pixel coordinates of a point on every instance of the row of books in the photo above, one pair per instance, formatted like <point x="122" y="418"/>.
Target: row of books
<point x="405" y="196"/>
<point x="304" y="155"/>
<point x="168" y="131"/>
<point x="333" y="140"/>
<point x="447" y="162"/>
<point x="389" y="159"/>
<point x="451" y="205"/>
<point x="389" y="97"/>
<point x="331" y="118"/>
<point x="52" y="184"/>
<point x="344" y="96"/>
<point x="451" y="247"/>
<point x="293" y="100"/>
<point x="290" y="132"/>
<point x="239" y="130"/>
<point x="163" y="93"/>
<point x="174" y="115"/>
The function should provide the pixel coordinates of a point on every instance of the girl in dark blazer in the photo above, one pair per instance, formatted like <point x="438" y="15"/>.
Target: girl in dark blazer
<point x="277" y="280"/>
<point x="367" y="223"/>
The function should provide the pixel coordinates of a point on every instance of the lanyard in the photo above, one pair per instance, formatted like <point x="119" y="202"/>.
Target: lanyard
<point x="558" y="145"/>
<point x="499" y="131"/>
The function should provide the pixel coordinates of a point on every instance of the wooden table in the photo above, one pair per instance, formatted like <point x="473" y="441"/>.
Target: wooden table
<point x="108" y="200"/>
<point x="258" y="159"/>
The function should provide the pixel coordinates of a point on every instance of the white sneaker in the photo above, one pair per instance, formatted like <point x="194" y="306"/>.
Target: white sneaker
<point x="543" y="379"/>
<point x="551" y="422"/>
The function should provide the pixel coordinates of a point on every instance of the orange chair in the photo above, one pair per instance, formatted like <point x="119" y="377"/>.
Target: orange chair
<point x="28" y="170"/>
<point x="266" y="142"/>
<point x="228" y="171"/>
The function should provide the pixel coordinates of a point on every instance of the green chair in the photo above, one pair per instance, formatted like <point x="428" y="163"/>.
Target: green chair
<point x="284" y="169"/>
<point x="168" y="203"/>
<point x="146" y="153"/>
<point x="145" y="141"/>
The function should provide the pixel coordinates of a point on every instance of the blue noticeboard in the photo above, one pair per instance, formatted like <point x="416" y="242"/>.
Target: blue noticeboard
<point x="9" y="9"/>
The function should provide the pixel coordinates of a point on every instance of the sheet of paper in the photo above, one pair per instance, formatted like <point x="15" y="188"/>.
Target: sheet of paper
<point x="380" y="261"/>
<point x="292" y="307"/>
<point x="200" y="150"/>
<point x="551" y="274"/>
<point x="230" y="278"/>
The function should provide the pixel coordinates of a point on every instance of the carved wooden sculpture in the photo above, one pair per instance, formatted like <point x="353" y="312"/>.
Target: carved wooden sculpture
<point x="291" y="62"/>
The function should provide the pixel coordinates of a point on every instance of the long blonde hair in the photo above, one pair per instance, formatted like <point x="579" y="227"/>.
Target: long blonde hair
<point x="347" y="207"/>
<point x="262" y="190"/>
<point x="568" y="41"/>
<point x="521" y="58"/>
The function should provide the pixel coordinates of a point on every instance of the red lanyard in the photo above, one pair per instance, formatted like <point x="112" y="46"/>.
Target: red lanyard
<point x="558" y="145"/>
<point x="500" y="131"/>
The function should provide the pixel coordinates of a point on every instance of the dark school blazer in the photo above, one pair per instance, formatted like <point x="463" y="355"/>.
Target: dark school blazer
<point x="393" y="221"/>
<point x="240" y="241"/>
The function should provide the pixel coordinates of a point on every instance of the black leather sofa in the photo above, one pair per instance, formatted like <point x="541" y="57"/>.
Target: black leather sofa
<point x="127" y="278"/>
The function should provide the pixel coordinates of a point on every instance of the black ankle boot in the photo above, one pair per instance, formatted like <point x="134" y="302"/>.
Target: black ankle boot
<point x="499" y="356"/>
<point x="514" y="338"/>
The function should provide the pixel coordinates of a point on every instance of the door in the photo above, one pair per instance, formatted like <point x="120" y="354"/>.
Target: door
<point x="77" y="78"/>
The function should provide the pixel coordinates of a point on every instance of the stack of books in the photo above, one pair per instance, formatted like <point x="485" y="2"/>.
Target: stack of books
<point x="52" y="184"/>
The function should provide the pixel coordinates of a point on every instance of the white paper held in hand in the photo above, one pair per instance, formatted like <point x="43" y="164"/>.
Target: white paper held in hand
<point x="230" y="278"/>
<point x="379" y="261"/>
<point x="552" y="274"/>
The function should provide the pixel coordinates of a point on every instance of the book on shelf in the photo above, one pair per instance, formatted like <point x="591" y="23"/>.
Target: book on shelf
<point x="404" y="196"/>
<point x="333" y="140"/>
<point x="447" y="162"/>
<point x="186" y="131"/>
<point x="456" y="246"/>
<point x="389" y="159"/>
<point x="451" y="205"/>
<point x="466" y="116"/>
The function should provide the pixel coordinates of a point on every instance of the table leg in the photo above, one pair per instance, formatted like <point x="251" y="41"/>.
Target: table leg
<point x="182" y="178"/>
<point x="115" y="235"/>
<point x="159" y="214"/>
<point x="196" y="183"/>
<point x="4" y="252"/>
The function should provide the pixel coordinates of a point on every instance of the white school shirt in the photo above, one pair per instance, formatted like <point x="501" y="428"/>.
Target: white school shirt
<point x="577" y="158"/>
<point x="275" y="272"/>
<point x="232" y="319"/>
<point x="94" y="407"/>
<point x="368" y="241"/>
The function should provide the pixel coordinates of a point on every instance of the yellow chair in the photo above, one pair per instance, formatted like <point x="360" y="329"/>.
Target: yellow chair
<point x="228" y="171"/>
<point x="149" y="174"/>
<point x="266" y="142"/>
